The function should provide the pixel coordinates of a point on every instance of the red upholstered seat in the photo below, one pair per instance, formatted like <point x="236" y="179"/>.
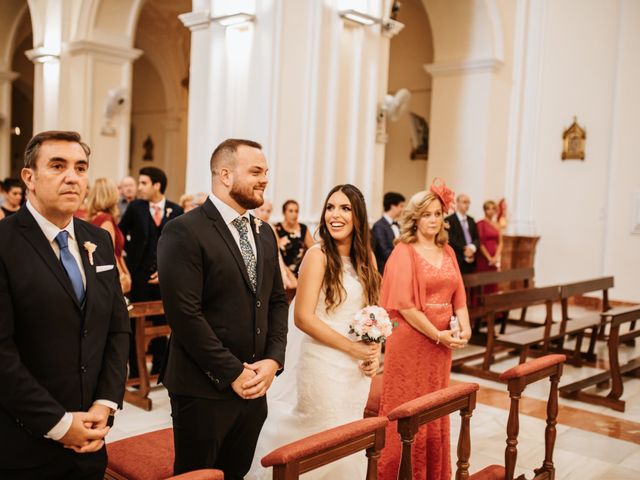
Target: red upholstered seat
<point x="492" y="472"/>
<point x="149" y="457"/>
<point x="373" y="402"/>
<point x="531" y="366"/>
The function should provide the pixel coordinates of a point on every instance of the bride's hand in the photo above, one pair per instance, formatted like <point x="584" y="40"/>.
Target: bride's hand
<point x="370" y="367"/>
<point x="364" y="351"/>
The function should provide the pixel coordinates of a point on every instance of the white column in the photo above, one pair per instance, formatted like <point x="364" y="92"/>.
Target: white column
<point x="461" y="112"/>
<point x="6" y="79"/>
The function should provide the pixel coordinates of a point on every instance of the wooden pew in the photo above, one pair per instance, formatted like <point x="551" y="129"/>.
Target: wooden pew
<point x="520" y="341"/>
<point x="474" y="284"/>
<point x="145" y="332"/>
<point x="411" y="415"/>
<point x="579" y="288"/>
<point x="517" y="379"/>
<point x="292" y="460"/>
<point x="616" y="318"/>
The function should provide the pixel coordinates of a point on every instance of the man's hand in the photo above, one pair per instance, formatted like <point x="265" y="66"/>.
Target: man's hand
<point x="82" y="437"/>
<point x="153" y="279"/>
<point x="265" y="371"/>
<point x="246" y="375"/>
<point x="103" y="412"/>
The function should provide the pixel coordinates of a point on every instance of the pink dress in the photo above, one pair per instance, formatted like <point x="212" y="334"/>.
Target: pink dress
<point x="413" y="364"/>
<point x="490" y="238"/>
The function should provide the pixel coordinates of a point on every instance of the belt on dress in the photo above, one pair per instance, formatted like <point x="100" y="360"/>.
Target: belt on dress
<point x="446" y="304"/>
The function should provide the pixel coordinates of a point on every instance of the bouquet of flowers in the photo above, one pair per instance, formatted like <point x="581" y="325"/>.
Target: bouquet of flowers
<point x="371" y="324"/>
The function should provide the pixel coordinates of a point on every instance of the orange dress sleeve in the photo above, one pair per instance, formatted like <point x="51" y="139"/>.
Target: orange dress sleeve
<point x="397" y="291"/>
<point x="459" y="299"/>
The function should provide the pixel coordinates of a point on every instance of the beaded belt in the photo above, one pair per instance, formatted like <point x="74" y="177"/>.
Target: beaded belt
<point x="437" y="304"/>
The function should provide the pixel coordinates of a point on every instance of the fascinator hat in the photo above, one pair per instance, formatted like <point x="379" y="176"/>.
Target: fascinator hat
<point x="444" y="193"/>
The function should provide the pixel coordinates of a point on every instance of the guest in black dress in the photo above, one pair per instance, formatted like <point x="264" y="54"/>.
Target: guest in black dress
<point x="13" y="194"/>
<point x="294" y="238"/>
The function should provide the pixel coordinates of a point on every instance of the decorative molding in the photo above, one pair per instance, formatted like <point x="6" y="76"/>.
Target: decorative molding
<point x="83" y="47"/>
<point x="391" y="27"/>
<point x="196" y="20"/>
<point x="42" y="55"/>
<point x="463" y="67"/>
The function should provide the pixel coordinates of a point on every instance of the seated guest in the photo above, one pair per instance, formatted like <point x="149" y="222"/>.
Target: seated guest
<point x="289" y="280"/>
<point x="463" y="235"/>
<point x="490" y="235"/>
<point x="386" y="230"/>
<point x="13" y="194"/>
<point x="103" y="213"/>
<point x="127" y="190"/>
<point x="294" y="238"/>
<point x="142" y="224"/>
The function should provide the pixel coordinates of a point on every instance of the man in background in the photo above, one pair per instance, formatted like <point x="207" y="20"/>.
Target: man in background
<point x="127" y="189"/>
<point x="386" y="230"/>
<point x="463" y="235"/>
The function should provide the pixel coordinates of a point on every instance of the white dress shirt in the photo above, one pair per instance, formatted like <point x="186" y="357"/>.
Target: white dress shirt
<point x="160" y="204"/>
<point x="394" y="225"/>
<point x="229" y="215"/>
<point x="51" y="231"/>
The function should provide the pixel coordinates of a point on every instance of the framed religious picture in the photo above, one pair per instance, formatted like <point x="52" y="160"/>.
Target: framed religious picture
<point x="419" y="137"/>
<point x="573" y="142"/>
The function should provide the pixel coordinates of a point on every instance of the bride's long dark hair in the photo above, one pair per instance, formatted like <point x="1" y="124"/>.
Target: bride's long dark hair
<point x="360" y="253"/>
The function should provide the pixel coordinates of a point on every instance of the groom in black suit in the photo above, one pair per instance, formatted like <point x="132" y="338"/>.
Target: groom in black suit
<point x="224" y="300"/>
<point x="64" y="328"/>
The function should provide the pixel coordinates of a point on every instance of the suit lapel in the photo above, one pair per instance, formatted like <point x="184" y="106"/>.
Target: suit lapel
<point x="218" y="222"/>
<point x="259" y="252"/>
<point x="89" y="270"/>
<point x="34" y="235"/>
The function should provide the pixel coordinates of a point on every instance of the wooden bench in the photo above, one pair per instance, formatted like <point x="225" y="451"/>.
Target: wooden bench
<point x="520" y="341"/>
<point x="292" y="460"/>
<point x="411" y="415"/>
<point x="579" y="288"/>
<point x="149" y="457"/>
<point x="615" y="318"/>
<point x="145" y="332"/>
<point x="474" y="284"/>
<point x="517" y="378"/>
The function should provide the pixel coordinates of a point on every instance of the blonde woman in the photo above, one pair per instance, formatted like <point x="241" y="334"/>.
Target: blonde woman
<point x="103" y="212"/>
<point x="421" y="289"/>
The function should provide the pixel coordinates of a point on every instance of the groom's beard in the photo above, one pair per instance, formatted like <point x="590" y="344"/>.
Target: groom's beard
<point x="246" y="196"/>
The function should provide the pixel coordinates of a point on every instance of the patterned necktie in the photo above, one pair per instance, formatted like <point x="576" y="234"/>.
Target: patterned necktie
<point x="70" y="265"/>
<point x="157" y="215"/>
<point x="465" y="230"/>
<point x="245" y="249"/>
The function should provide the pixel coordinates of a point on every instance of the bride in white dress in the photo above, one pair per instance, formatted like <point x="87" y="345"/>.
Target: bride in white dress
<point x="327" y="375"/>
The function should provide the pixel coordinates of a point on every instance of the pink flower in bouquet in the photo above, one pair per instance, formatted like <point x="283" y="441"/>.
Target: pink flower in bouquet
<point x="371" y="324"/>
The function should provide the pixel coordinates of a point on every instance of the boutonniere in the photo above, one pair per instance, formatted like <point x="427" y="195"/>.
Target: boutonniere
<point x="90" y="248"/>
<point x="258" y="223"/>
<point x="168" y="212"/>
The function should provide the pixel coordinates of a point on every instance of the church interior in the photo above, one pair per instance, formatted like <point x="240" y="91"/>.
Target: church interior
<point x="528" y="103"/>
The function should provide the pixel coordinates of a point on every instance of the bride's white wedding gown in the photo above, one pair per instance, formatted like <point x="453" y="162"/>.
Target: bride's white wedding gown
<point x="320" y="388"/>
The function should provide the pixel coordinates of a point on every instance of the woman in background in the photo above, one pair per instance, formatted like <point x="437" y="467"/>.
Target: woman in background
<point x="13" y="195"/>
<point x="294" y="238"/>
<point x="490" y="235"/>
<point x="102" y="211"/>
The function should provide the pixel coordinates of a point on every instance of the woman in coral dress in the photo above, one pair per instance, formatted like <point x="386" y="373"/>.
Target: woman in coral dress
<point x="421" y="289"/>
<point x="490" y="243"/>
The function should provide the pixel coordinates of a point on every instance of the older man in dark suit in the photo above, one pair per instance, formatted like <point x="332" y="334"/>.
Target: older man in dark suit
<point x="223" y="297"/>
<point x="64" y="329"/>
<point x="463" y="235"/>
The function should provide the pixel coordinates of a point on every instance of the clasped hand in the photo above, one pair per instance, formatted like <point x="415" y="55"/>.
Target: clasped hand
<point x="255" y="379"/>
<point x="449" y="340"/>
<point x="88" y="429"/>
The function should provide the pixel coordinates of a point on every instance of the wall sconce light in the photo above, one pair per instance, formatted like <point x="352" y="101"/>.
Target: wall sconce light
<point x="16" y="131"/>
<point x="360" y="18"/>
<point x="239" y="18"/>
<point x="41" y="55"/>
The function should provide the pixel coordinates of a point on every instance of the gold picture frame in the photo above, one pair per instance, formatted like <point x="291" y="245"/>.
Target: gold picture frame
<point x="573" y="142"/>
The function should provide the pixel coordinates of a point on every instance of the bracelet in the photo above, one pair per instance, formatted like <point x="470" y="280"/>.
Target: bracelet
<point x="438" y="341"/>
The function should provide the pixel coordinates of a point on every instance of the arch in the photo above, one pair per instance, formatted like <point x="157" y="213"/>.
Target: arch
<point x="12" y="13"/>
<point x="465" y="30"/>
<point x="108" y="21"/>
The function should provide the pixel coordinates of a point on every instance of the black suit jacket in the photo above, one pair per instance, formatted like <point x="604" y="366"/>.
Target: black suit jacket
<point x="55" y="356"/>
<point x="217" y="321"/>
<point x="458" y="242"/>
<point x="383" y="238"/>
<point x="140" y="238"/>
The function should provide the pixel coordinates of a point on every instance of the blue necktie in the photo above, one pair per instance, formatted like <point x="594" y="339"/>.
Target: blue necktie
<point x="70" y="265"/>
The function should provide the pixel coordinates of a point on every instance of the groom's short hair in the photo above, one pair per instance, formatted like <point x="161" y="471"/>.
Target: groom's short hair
<point x="225" y="153"/>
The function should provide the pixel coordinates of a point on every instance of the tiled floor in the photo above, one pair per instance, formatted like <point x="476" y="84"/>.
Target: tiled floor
<point x="592" y="443"/>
